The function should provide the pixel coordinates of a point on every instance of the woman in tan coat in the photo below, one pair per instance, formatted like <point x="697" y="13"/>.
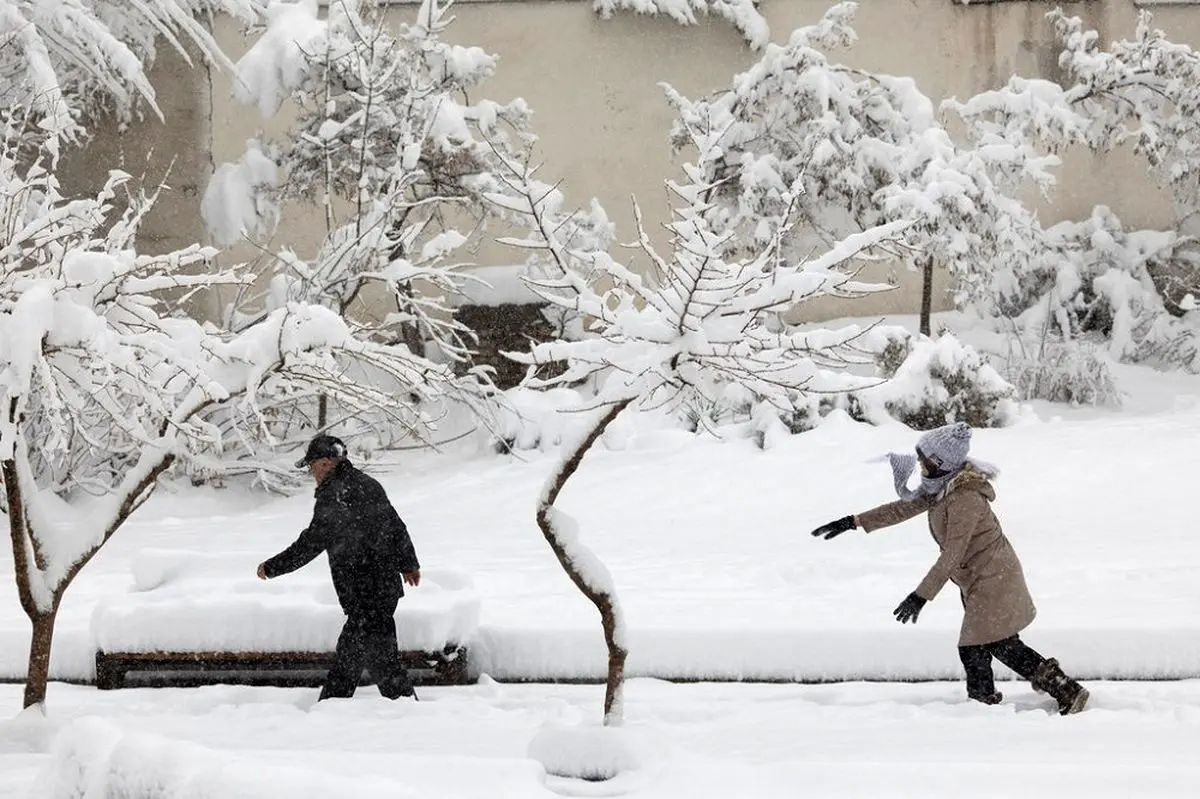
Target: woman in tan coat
<point x="957" y="493"/>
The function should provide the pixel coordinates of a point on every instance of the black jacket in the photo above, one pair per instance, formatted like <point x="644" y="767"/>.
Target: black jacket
<point x="367" y="543"/>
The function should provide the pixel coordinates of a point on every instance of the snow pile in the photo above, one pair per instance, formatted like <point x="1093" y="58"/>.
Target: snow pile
<point x="93" y="759"/>
<point x="588" y="753"/>
<point x="189" y="602"/>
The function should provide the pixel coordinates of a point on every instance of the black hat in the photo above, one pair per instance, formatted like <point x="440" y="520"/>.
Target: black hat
<point x="322" y="446"/>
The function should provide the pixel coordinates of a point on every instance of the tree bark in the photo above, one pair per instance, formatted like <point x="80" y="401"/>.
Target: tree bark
<point x="926" y="295"/>
<point x="38" y="675"/>
<point x="601" y="599"/>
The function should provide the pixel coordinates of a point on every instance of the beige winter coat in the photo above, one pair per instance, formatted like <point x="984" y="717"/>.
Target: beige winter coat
<point x="976" y="556"/>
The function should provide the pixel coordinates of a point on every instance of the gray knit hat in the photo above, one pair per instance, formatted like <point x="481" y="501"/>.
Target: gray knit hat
<point x="947" y="446"/>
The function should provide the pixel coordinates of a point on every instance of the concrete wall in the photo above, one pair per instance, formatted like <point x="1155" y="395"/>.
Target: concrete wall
<point x="603" y="122"/>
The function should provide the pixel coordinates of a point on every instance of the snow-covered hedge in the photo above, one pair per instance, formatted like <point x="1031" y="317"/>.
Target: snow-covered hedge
<point x="932" y="382"/>
<point x="923" y="383"/>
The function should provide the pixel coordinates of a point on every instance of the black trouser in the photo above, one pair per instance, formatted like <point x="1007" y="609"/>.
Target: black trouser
<point x="1012" y="652"/>
<point x="367" y="639"/>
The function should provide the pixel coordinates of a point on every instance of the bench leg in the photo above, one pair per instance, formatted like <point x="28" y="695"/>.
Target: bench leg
<point x="109" y="676"/>
<point x="455" y="670"/>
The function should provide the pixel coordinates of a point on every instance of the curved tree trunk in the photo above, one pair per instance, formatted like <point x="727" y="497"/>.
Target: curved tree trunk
<point x="23" y="541"/>
<point x="601" y="598"/>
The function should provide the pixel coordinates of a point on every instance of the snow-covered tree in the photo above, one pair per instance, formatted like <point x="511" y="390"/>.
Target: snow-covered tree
<point x="65" y="58"/>
<point x="867" y="149"/>
<point x="104" y="383"/>
<point x="387" y="144"/>
<point x="743" y="14"/>
<point x="702" y="323"/>
<point x="1129" y="286"/>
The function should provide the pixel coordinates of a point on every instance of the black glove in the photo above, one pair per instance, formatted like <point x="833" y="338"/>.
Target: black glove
<point x="834" y="529"/>
<point x="909" y="609"/>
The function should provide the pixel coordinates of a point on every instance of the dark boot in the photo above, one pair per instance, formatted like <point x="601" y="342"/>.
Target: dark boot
<point x="994" y="698"/>
<point x="981" y="685"/>
<point x="1070" y="695"/>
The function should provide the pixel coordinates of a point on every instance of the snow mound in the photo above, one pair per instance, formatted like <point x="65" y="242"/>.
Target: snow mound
<point x="591" y="753"/>
<point x="187" y="602"/>
<point x="539" y="419"/>
<point x="93" y="759"/>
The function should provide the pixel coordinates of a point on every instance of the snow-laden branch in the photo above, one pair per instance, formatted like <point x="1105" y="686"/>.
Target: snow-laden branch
<point x="706" y="320"/>
<point x="402" y="165"/>
<point x="864" y="149"/>
<point x="67" y="58"/>
<point x="742" y="14"/>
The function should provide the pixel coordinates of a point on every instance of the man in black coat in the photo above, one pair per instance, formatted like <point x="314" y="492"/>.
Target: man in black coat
<point x="371" y="557"/>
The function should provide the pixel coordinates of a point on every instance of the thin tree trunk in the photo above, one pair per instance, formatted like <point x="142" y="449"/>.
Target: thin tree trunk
<point x="926" y="295"/>
<point x="40" y="644"/>
<point x="322" y="412"/>
<point x="601" y="599"/>
<point x="38" y="675"/>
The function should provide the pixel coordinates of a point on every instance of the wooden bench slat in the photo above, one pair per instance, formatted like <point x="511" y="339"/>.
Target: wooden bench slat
<point x="448" y="666"/>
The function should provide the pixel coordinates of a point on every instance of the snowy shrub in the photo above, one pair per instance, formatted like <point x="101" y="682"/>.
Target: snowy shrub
<point x="1099" y="282"/>
<point x="541" y="420"/>
<point x="701" y="414"/>
<point x="1072" y="372"/>
<point x="933" y="382"/>
<point x="1096" y="276"/>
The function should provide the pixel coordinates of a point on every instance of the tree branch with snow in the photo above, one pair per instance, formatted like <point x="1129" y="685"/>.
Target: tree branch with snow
<point x="1096" y="277"/>
<point x="702" y="322"/>
<point x="867" y="149"/>
<point x="388" y="146"/>
<point x="67" y="59"/>
<point x="105" y="383"/>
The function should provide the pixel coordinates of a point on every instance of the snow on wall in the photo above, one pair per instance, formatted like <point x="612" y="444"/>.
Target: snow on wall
<point x="92" y="759"/>
<point x="186" y="602"/>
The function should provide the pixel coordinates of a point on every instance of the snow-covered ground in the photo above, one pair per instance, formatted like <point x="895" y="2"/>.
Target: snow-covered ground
<point x="703" y="741"/>
<point x="708" y="543"/>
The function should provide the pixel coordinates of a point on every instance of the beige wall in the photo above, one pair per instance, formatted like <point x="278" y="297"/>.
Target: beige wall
<point x="603" y="123"/>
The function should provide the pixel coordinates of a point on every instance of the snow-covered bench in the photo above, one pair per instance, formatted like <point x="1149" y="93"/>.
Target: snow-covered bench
<point x="196" y="618"/>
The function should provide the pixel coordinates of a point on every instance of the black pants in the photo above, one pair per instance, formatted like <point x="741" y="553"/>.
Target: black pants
<point x="1012" y="652"/>
<point x="367" y="640"/>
